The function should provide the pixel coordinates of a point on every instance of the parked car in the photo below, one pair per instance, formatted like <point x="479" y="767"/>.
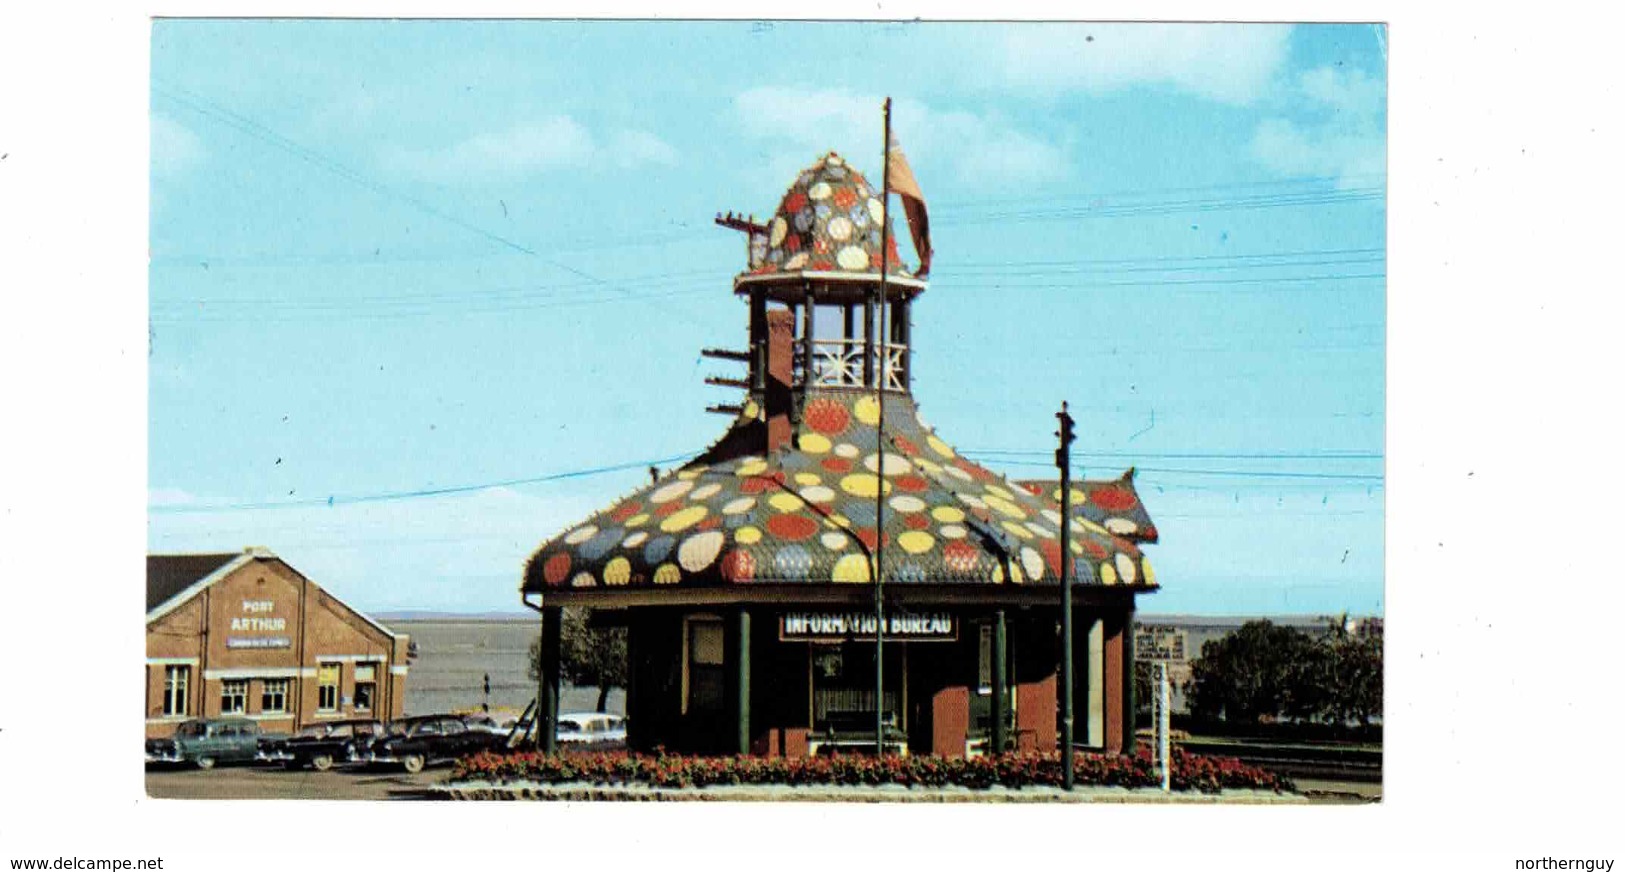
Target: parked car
<point x="207" y="741"/>
<point x="320" y="746"/>
<point x="591" y="728"/>
<point x="416" y="742"/>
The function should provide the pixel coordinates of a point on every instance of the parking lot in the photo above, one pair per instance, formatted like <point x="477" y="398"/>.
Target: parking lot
<point x="274" y="782"/>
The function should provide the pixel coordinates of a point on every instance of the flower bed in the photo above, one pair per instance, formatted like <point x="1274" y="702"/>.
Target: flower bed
<point x="1190" y="772"/>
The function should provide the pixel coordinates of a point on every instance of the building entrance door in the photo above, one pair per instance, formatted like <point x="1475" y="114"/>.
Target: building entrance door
<point x="843" y="697"/>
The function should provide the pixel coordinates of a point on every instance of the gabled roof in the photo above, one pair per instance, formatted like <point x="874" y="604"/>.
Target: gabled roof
<point x="807" y="515"/>
<point x="170" y="575"/>
<point x="172" y="579"/>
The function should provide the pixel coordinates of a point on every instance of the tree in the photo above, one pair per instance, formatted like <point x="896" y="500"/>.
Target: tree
<point x="1354" y="670"/>
<point x="1259" y="671"/>
<point x="588" y="656"/>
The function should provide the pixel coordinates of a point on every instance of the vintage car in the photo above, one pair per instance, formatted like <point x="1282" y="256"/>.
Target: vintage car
<point x="591" y="728"/>
<point x="416" y="742"/>
<point x="322" y="745"/>
<point x="205" y="742"/>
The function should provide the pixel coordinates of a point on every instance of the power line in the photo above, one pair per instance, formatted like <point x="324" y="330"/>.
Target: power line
<point x="414" y="494"/>
<point x="252" y="128"/>
<point x="1253" y="455"/>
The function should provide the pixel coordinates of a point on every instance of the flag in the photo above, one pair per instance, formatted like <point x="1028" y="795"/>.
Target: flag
<point x="901" y="180"/>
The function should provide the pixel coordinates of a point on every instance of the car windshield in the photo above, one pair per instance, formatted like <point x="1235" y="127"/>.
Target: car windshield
<point x="314" y="731"/>
<point x="192" y="729"/>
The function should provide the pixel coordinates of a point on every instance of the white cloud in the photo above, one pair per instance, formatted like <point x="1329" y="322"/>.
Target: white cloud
<point x="169" y="496"/>
<point x="631" y="148"/>
<point x="1231" y="63"/>
<point x="175" y="148"/>
<point x="1346" y="137"/>
<point x="555" y="142"/>
<point x="977" y="149"/>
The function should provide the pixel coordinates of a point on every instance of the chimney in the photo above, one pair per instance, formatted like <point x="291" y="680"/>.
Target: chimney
<point x="777" y="396"/>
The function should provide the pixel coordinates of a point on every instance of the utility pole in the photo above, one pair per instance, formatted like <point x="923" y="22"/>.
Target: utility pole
<point x="882" y="359"/>
<point x="1063" y="460"/>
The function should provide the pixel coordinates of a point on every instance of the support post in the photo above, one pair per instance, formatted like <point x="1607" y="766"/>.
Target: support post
<point x="1000" y="702"/>
<point x="547" y="707"/>
<point x="1128" y="681"/>
<point x="742" y="684"/>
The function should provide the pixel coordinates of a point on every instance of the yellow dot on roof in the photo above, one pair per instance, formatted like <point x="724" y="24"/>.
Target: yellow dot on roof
<point x="618" y="571"/>
<point x="928" y="465"/>
<point x="783" y="502"/>
<point x="668" y="492"/>
<point x="916" y="541"/>
<point x="998" y="574"/>
<point x="1108" y="575"/>
<point x="753" y="466"/>
<point x="637" y="520"/>
<point x="807" y="479"/>
<point x="867" y="410"/>
<point x="580" y="535"/>
<point x="1004" y="507"/>
<point x="939" y="446"/>
<point x="682" y="519"/>
<point x="852" y="569"/>
<point x="1078" y="496"/>
<point x="999" y="492"/>
<point x="1015" y="573"/>
<point x="752" y="410"/>
<point x="668" y="573"/>
<point x="814" y="443"/>
<point x="1092" y="527"/>
<point x="863" y="484"/>
<point x="691" y="473"/>
<point x="1146" y="573"/>
<point x="747" y="535"/>
<point x="1016" y="530"/>
<point x="947" y="514"/>
<point x="1125" y="568"/>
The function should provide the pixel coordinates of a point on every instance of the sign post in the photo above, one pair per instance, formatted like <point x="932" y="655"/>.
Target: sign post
<point x="1162" y="725"/>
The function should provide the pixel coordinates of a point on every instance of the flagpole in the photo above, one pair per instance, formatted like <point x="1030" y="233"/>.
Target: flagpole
<point x="881" y="365"/>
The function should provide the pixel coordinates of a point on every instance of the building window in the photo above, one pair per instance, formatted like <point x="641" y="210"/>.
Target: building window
<point x="704" y="666"/>
<point x="366" y="686"/>
<point x="176" y="681"/>
<point x="274" y="696"/>
<point x="327" y="687"/>
<point x="234" y="697"/>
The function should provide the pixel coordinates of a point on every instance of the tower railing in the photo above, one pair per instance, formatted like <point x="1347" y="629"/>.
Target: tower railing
<point x="843" y="363"/>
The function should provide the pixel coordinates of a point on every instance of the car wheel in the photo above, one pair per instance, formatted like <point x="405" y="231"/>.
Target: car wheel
<point x="412" y="763"/>
<point x="321" y="762"/>
<point x="205" y="762"/>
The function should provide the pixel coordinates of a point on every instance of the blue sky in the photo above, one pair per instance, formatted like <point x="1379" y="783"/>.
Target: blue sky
<point x="395" y="257"/>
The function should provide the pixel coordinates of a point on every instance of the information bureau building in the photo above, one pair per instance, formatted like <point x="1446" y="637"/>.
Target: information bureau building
<point x="745" y="577"/>
<point x="246" y="635"/>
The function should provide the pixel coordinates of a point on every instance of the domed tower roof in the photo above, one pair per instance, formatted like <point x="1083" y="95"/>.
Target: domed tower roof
<point x="829" y="221"/>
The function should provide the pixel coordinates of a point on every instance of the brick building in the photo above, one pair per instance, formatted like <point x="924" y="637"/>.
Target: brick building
<point x="245" y="634"/>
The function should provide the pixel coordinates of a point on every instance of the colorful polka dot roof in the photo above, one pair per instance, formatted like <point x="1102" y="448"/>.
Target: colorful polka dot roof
<point x="806" y="515"/>
<point x="829" y="220"/>
<point x="1114" y="505"/>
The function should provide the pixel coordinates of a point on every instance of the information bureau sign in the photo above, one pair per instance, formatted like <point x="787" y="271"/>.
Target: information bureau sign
<point x="836" y="626"/>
